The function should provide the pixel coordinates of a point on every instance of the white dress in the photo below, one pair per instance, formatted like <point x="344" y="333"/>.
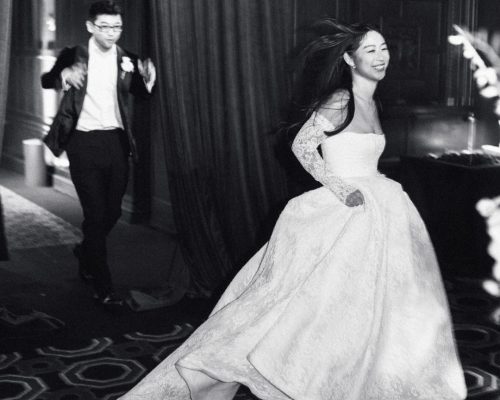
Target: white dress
<point x="341" y="304"/>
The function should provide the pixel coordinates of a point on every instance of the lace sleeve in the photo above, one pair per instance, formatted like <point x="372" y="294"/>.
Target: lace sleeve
<point x="305" y="148"/>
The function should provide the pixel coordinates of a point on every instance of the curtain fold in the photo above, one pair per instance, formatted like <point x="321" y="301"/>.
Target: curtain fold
<point x="221" y="91"/>
<point x="5" y="34"/>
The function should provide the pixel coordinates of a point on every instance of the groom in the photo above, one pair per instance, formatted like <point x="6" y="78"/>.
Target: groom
<point x="92" y="126"/>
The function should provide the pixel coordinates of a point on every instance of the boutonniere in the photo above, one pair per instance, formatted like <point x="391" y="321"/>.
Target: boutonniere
<point x="126" y="66"/>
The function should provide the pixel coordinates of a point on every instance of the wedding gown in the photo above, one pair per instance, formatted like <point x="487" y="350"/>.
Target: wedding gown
<point x="341" y="304"/>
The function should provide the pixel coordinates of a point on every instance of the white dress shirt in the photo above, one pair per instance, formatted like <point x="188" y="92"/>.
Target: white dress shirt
<point x="100" y="107"/>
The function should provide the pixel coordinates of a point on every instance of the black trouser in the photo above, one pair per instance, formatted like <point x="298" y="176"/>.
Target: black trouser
<point x="98" y="164"/>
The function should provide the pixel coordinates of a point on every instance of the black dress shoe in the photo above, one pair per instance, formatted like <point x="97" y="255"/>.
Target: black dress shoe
<point x="83" y="271"/>
<point x="109" y="300"/>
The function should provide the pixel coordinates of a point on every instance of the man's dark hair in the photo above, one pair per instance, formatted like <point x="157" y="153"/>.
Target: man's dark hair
<point x="104" y="7"/>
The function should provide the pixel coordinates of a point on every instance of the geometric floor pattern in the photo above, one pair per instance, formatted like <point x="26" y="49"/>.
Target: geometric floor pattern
<point x="478" y="337"/>
<point x="105" y="368"/>
<point x="28" y="225"/>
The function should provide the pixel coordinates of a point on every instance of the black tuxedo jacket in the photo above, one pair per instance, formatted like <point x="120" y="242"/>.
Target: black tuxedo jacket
<point x="72" y="102"/>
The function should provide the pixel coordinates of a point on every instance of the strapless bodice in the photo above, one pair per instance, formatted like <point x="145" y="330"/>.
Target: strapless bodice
<point x="351" y="154"/>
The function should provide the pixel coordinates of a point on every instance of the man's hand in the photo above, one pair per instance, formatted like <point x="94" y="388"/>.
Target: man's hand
<point x="74" y="76"/>
<point x="355" y="199"/>
<point x="147" y="70"/>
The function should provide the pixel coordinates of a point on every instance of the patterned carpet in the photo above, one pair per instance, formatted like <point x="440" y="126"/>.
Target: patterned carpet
<point x="28" y="225"/>
<point x="104" y="368"/>
<point x="478" y="337"/>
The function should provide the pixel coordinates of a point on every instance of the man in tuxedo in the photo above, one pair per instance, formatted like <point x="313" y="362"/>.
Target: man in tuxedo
<point x="92" y="126"/>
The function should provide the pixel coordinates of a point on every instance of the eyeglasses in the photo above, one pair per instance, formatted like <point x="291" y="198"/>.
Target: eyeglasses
<point x="107" y="28"/>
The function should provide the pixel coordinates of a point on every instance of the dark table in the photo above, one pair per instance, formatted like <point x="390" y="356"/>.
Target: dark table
<point x="445" y="194"/>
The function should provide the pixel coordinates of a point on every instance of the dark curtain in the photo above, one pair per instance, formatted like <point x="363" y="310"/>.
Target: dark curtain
<point x="5" y="34"/>
<point x="221" y="91"/>
<point x="4" y="254"/>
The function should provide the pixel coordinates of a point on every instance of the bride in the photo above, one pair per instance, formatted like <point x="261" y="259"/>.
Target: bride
<point x="345" y="301"/>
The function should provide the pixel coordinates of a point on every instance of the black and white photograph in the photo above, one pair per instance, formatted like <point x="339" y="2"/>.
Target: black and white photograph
<point x="249" y="200"/>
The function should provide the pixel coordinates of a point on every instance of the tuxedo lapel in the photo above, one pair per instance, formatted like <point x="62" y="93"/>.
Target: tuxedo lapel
<point x="124" y="77"/>
<point x="122" y="84"/>
<point x="82" y="56"/>
<point x="120" y="76"/>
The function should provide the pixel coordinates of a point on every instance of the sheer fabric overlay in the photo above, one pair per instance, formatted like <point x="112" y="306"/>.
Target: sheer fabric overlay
<point x="341" y="304"/>
<point x="305" y="148"/>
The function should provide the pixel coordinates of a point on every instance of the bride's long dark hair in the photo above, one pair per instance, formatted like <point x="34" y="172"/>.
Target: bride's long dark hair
<point x="321" y="71"/>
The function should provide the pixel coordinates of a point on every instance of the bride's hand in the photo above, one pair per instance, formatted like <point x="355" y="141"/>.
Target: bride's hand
<point x="355" y="199"/>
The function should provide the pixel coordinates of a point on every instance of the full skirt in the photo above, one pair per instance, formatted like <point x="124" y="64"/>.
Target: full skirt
<point x="341" y="304"/>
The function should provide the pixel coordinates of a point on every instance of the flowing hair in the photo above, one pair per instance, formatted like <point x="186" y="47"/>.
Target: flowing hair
<point x="321" y="70"/>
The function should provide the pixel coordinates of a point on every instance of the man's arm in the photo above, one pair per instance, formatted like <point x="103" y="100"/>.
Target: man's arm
<point x="52" y="79"/>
